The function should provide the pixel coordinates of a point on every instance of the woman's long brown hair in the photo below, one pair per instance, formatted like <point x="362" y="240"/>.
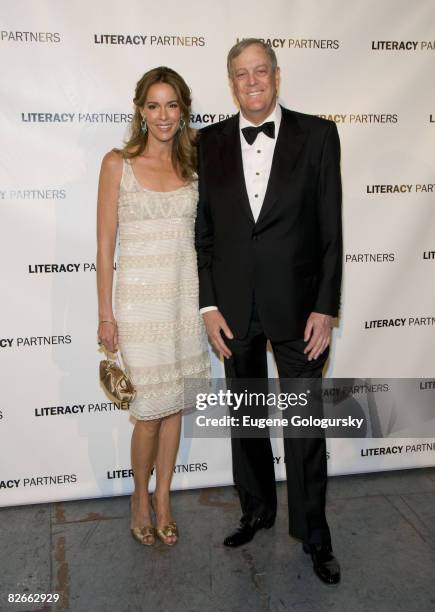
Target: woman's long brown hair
<point x="183" y="146"/>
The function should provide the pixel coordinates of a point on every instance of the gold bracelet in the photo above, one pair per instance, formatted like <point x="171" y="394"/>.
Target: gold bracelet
<point x="107" y="321"/>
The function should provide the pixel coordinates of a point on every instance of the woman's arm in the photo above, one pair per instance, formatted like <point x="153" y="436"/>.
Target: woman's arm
<point x="107" y="224"/>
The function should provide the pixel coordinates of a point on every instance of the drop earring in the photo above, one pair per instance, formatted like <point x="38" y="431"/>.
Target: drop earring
<point x="143" y="126"/>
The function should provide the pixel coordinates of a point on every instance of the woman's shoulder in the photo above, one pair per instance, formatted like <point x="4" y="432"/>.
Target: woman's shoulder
<point x="113" y="160"/>
<point x="112" y="167"/>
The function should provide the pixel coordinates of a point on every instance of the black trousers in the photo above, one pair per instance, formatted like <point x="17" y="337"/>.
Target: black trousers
<point x="252" y="458"/>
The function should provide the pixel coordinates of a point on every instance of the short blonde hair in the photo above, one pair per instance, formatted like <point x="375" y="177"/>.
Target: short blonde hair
<point x="236" y="50"/>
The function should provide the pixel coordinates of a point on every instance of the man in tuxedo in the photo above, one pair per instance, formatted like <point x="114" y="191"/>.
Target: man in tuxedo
<point x="268" y="236"/>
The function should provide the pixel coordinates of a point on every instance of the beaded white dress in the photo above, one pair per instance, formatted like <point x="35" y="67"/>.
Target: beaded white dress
<point x="162" y="337"/>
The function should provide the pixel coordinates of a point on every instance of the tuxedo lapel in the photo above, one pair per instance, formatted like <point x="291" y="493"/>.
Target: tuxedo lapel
<point x="289" y="144"/>
<point x="231" y="159"/>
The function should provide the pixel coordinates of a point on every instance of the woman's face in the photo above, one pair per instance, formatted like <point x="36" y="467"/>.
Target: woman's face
<point x="162" y="112"/>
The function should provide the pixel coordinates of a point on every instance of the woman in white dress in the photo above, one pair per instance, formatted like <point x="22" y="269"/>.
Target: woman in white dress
<point x="148" y="193"/>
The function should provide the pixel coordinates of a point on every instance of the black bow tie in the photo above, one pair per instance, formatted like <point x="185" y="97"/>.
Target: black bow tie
<point x="250" y="133"/>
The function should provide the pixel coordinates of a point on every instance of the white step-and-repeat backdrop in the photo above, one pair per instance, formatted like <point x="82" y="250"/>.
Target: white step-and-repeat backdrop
<point x="68" y="76"/>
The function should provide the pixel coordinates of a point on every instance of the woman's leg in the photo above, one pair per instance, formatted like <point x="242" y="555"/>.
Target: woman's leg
<point x="144" y="441"/>
<point x="169" y="439"/>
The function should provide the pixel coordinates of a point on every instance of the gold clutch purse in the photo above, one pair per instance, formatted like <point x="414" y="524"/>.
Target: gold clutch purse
<point x="116" y="382"/>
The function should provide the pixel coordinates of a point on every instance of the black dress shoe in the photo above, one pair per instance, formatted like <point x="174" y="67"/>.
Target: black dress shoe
<point x="246" y="531"/>
<point x="325" y="565"/>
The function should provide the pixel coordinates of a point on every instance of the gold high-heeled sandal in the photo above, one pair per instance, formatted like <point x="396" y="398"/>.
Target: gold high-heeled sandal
<point x="166" y="532"/>
<point x="169" y="530"/>
<point x="140" y="534"/>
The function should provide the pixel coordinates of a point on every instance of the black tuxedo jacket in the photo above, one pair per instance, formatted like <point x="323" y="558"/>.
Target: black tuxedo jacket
<point x="291" y="258"/>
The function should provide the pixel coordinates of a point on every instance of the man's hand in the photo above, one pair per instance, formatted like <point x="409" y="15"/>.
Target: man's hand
<point x="318" y="332"/>
<point x="214" y="323"/>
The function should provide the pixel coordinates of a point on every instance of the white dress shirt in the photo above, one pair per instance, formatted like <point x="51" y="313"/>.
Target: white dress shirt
<point x="257" y="162"/>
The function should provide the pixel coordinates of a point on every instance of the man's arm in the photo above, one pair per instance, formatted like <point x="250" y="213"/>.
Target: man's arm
<point x="204" y="235"/>
<point x="329" y="215"/>
<point x="204" y="238"/>
<point x="318" y="327"/>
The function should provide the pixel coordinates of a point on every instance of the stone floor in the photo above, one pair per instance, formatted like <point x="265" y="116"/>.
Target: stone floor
<point x="384" y="536"/>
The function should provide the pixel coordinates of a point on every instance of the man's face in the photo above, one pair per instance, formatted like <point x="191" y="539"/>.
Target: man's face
<point x="254" y="83"/>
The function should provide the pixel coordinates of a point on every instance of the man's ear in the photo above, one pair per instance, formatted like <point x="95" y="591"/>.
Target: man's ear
<point x="233" y="95"/>
<point x="277" y="78"/>
<point x="230" y="83"/>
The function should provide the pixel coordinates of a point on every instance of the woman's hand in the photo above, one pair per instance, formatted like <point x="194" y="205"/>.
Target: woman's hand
<point x="108" y="335"/>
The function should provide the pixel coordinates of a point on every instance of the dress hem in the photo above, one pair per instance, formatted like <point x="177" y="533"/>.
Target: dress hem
<point x="154" y="417"/>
